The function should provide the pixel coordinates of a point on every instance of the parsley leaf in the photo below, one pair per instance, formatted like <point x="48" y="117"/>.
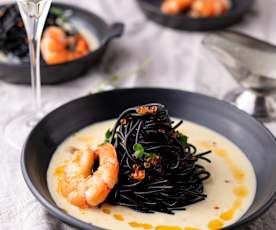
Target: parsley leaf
<point x="59" y="13"/>
<point x="183" y="139"/>
<point x="138" y="150"/>
<point x="108" y="134"/>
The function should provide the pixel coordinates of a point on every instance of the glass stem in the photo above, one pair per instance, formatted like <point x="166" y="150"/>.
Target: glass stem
<point x="34" y="14"/>
<point x="35" y="73"/>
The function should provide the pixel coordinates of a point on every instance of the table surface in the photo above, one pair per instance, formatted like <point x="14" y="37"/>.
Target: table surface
<point x="147" y="55"/>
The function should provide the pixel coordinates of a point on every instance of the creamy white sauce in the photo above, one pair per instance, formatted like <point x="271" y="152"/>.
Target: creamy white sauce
<point x="219" y="187"/>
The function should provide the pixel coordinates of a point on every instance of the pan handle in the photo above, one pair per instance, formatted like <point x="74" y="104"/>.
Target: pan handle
<point x="116" y="30"/>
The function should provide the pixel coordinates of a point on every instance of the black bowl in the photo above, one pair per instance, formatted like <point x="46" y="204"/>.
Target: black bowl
<point x="151" y="8"/>
<point x="250" y="135"/>
<point x="19" y="73"/>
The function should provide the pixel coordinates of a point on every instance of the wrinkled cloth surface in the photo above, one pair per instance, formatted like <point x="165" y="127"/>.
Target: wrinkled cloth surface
<point x="147" y="55"/>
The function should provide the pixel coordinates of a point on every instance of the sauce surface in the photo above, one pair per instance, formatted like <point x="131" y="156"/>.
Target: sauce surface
<point x="230" y="190"/>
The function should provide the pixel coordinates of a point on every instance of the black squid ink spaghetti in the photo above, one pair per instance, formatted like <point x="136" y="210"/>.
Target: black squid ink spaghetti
<point x="159" y="169"/>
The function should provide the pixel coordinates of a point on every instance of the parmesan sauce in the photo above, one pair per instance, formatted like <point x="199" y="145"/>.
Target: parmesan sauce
<point x="230" y="189"/>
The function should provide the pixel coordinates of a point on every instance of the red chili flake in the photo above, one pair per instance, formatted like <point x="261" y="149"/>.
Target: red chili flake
<point x="123" y="121"/>
<point x="156" y="160"/>
<point x="153" y="109"/>
<point x="142" y="110"/>
<point x="147" y="110"/>
<point x="161" y="130"/>
<point x="138" y="174"/>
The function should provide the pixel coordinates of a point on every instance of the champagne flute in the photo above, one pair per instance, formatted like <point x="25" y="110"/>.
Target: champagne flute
<point x="34" y="14"/>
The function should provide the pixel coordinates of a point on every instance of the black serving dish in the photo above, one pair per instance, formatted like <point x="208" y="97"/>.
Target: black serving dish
<point x="151" y="9"/>
<point x="246" y="132"/>
<point x="19" y="73"/>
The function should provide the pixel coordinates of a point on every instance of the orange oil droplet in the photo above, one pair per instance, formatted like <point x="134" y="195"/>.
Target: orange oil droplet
<point x="106" y="211"/>
<point x="59" y="171"/>
<point x="229" y="214"/>
<point x="215" y="225"/>
<point x="237" y="173"/>
<point x="59" y="187"/>
<point x="191" y="228"/>
<point x="163" y="227"/>
<point x="119" y="217"/>
<point x="241" y="191"/>
<point x="220" y="152"/>
<point x="140" y="225"/>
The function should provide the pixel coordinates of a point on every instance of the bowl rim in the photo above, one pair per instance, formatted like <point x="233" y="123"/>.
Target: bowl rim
<point x="61" y="215"/>
<point x="70" y="7"/>
<point x="230" y="14"/>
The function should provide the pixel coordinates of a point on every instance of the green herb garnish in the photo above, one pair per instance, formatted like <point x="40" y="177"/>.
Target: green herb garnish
<point x="59" y="13"/>
<point x="107" y="135"/>
<point x="183" y="139"/>
<point x="139" y="151"/>
<point x="56" y="11"/>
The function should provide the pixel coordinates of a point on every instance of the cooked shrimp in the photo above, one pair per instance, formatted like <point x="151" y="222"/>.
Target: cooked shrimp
<point x="80" y="185"/>
<point x="209" y="8"/>
<point x="175" y="6"/>
<point x="57" y="47"/>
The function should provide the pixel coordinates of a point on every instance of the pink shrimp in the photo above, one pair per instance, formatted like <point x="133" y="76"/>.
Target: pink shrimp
<point x="209" y="8"/>
<point x="175" y="6"/>
<point x="83" y="188"/>
<point x="55" y="43"/>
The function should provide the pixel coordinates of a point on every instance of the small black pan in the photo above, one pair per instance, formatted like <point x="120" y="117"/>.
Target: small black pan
<point x="151" y="9"/>
<point x="19" y="73"/>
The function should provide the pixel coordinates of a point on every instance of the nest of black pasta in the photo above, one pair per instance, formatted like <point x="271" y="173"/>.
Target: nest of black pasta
<point x="159" y="169"/>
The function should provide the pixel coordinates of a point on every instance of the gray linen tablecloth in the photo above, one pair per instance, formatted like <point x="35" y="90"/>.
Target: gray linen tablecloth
<point x="147" y="55"/>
